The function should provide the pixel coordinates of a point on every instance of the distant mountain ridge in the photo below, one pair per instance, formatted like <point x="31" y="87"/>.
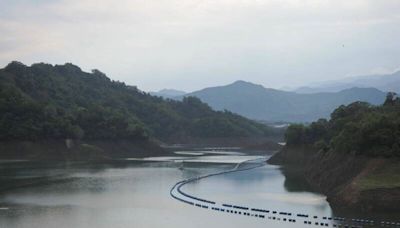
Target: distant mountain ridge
<point x="257" y="102"/>
<point x="168" y="93"/>
<point x="384" y="82"/>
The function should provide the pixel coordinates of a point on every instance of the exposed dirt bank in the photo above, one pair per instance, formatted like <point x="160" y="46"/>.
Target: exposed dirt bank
<point x="351" y="182"/>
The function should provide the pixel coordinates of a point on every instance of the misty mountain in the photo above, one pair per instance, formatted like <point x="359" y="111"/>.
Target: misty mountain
<point x="387" y="83"/>
<point x="168" y="93"/>
<point x="257" y="102"/>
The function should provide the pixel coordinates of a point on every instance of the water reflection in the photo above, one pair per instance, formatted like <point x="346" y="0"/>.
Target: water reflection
<point x="294" y="180"/>
<point x="263" y="188"/>
<point x="136" y="194"/>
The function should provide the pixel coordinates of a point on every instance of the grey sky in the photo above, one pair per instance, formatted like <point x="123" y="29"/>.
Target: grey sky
<point x="192" y="44"/>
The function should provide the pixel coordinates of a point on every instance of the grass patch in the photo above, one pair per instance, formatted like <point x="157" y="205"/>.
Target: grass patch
<point x="386" y="177"/>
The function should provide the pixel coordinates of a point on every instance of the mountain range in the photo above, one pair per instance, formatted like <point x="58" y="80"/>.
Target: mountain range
<point x="384" y="82"/>
<point x="257" y="102"/>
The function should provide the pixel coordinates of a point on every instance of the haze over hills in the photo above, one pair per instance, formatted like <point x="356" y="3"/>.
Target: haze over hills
<point x="168" y="93"/>
<point x="260" y="103"/>
<point x="387" y="83"/>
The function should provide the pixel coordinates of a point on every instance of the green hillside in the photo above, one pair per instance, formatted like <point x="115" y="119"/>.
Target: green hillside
<point x="358" y="129"/>
<point x="43" y="101"/>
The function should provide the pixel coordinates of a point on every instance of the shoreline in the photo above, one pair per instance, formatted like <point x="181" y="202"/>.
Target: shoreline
<point x="345" y="179"/>
<point x="99" y="150"/>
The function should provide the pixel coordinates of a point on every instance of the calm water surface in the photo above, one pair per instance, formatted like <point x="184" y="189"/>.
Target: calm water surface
<point x="135" y="193"/>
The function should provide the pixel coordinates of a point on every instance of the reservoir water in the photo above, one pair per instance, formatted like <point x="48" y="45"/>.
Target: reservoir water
<point x="136" y="193"/>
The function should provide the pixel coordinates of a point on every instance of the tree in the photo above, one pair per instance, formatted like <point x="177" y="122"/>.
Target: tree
<point x="295" y="134"/>
<point x="390" y="98"/>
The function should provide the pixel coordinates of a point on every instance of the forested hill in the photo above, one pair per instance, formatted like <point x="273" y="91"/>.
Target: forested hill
<point x="353" y="158"/>
<point x="43" y="101"/>
<point x="356" y="129"/>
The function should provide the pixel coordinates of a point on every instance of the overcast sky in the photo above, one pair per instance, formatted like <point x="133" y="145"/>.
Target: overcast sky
<point x="191" y="44"/>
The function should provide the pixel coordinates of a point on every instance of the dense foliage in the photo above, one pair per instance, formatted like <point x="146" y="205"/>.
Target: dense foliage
<point x="44" y="101"/>
<point x="358" y="128"/>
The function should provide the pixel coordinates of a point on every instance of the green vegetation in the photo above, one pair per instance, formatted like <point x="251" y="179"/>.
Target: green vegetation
<point x="56" y="102"/>
<point x="358" y="128"/>
<point x="385" y="177"/>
